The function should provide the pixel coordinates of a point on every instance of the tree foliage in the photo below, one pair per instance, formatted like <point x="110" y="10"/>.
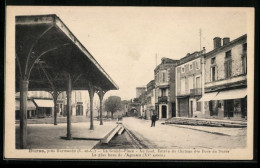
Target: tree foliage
<point x="113" y="104"/>
<point x="136" y="100"/>
<point x="143" y="99"/>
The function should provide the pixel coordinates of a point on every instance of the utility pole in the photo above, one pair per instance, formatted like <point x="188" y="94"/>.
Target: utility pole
<point x="200" y="38"/>
<point x="156" y="60"/>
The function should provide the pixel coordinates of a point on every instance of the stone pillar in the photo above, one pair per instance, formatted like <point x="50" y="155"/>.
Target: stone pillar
<point x="69" y="90"/>
<point x="55" y="97"/>
<point x="23" y="113"/>
<point x="101" y="96"/>
<point x="91" y="96"/>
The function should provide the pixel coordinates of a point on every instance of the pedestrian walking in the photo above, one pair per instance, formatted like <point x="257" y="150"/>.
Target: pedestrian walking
<point x="154" y="117"/>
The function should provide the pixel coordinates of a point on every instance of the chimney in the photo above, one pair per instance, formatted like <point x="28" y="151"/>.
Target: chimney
<point x="204" y="50"/>
<point x="226" y="40"/>
<point x="217" y="42"/>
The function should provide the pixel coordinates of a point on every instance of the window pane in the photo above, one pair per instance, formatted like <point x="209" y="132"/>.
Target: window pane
<point x="228" y="54"/>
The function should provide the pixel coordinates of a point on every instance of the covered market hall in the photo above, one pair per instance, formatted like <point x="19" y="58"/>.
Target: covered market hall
<point x="50" y="58"/>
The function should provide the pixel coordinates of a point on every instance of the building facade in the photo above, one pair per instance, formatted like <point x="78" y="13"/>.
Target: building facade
<point x="226" y="79"/>
<point x="189" y="85"/>
<point x="41" y="104"/>
<point x="164" y="77"/>
<point x="140" y="91"/>
<point x="150" y="99"/>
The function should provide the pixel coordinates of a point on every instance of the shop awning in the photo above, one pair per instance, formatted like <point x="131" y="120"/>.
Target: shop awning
<point x="231" y="94"/>
<point x="208" y="96"/>
<point x="30" y="105"/>
<point x="44" y="103"/>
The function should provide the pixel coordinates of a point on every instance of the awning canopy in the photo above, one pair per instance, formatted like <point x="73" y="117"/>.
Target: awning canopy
<point x="44" y="103"/>
<point x="30" y="105"/>
<point x="231" y="94"/>
<point x="208" y="96"/>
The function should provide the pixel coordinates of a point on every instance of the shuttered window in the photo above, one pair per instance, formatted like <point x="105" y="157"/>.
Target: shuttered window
<point x="213" y="73"/>
<point x="244" y="58"/>
<point x="228" y="68"/>
<point x="228" y="64"/>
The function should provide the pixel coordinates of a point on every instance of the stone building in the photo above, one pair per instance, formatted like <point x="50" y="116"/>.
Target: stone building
<point x="125" y="106"/>
<point x="150" y="99"/>
<point x="189" y="85"/>
<point x="164" y="76"/>
<point x="226" y="79"/>
<point x="140" y="91"/>
<point x="41" y="104"/>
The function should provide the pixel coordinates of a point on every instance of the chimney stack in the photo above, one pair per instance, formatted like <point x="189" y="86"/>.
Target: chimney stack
<point x="204" y="50"/>
<point x="217" y="42"/>
<point x="226" y="40"/>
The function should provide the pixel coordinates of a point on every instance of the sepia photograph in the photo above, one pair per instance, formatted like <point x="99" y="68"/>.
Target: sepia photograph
<point x="153" y="83"/>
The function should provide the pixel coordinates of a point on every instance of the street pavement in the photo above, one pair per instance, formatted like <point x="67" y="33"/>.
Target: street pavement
<point x="179" y="136"/>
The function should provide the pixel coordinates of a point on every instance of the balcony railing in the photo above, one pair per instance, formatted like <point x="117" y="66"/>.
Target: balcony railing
<point x="197" y="91"/>
<point x="163" y="99"/>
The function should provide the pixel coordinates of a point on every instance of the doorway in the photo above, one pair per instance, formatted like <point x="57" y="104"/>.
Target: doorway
<point x="164" y="110"/>
<point x="79" y="110"/>
<point x="228" y="108"/>
<point x="191" y="108"/>
<point x="173" y="110"/>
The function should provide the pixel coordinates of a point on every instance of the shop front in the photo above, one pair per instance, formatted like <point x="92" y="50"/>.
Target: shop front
<point x="226" y="104"/>
<point x="31" y="109"/>
<point x="44" y="107"/>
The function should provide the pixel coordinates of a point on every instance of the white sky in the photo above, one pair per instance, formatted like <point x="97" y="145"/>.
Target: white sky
<point x="125" y="40"/>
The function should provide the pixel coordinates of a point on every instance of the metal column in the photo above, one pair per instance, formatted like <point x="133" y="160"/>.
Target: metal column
<point x="23" y="113"/>
<point x="91" y="96"/>
<point x="69" y="89"/>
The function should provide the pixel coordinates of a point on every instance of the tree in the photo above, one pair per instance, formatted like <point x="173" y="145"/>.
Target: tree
<point x="136" y="100"/>
<point x="113" y="104"/>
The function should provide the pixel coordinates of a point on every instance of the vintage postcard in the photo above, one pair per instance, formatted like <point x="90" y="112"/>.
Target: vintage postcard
<point x="129" y="83"/>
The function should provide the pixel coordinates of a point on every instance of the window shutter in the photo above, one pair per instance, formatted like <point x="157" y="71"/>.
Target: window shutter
<point x="230" y="68"/>
<point x="226" y="69"/>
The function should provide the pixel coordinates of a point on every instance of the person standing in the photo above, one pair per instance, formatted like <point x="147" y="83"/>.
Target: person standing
<point x="154" y="117"/>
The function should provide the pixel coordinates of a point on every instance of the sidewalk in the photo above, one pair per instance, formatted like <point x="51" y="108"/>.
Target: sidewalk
<point x="206" y="122"/>
<point x="60" y="119"/>
<point x="48" y="136"/>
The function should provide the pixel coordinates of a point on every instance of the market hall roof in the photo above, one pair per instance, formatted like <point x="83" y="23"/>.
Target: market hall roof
<point x="45" y="45"/>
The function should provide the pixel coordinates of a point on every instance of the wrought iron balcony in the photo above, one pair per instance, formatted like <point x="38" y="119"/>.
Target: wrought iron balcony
<point x="197" y="91"/>
<point x="163" y="99"/>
